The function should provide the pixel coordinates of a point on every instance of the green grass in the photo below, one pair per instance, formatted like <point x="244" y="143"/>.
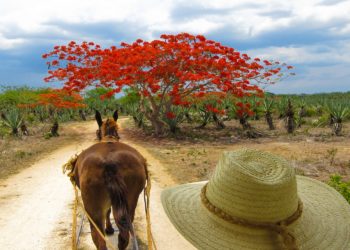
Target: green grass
<point x="343" y="187"/>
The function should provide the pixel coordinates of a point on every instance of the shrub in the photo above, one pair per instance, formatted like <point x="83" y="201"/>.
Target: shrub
<point x="311" y="112"/>
<point x="321" y="121"/>
<point x="12" y="120"/>
<point x="341" y="186"/>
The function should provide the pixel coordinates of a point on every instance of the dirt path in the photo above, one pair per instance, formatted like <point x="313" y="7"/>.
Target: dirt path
<point x="35" y="205"/>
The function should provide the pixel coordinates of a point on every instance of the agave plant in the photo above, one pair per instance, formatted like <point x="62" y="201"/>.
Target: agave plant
<point x="289" y="118"/>
<point x="174" y="117"/>
<point x="302" y="111"/>
<point x="268" y="106"/>
<point x="12" y="120"/>
<point x="281" y="107"/>
<point x="338" y="113"/>
<point x="134" y="109"/>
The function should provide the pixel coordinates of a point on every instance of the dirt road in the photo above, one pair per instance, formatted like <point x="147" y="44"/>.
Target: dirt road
<point x="35" y="205"/>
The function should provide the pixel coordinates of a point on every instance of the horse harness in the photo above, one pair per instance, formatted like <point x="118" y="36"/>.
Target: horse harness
<point x="69" y="166"/>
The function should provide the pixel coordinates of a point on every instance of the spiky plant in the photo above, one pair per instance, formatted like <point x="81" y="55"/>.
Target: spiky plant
<point x="255" y="103"/>
<point x="289" y="118"/>
<point x="268" y="105"/>
<point x="204" y="117"/>
<point x="13" y="120"/>
<point x="338" y="113"/>
<point x="281" y="107"/>
<point x="174" y="117"/>
<point x="302" y="111"/>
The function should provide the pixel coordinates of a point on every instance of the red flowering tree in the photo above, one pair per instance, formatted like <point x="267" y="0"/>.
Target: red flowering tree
<point x="61" y="99"/>
<point x="164" y="71"/>
<point x="56" y="99"/>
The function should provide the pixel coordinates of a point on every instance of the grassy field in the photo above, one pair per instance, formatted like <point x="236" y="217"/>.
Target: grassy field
<point x="314" y="152"/>
<point x="20" y="152"/>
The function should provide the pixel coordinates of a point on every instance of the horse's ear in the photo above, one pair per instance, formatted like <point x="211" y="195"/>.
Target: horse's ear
<point x="115" y="115"/>
<point x="98" y="118"/>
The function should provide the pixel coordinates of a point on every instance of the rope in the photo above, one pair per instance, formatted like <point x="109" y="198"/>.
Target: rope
<point x="74" y="224"/>
<point x="146" y="198"/>
<point x="278" y="227"/>
<point x="110" y="246"/>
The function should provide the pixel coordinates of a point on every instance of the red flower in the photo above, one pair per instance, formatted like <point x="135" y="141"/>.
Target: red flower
<point x="239" y="104"/>
<point x="170" y="115"/>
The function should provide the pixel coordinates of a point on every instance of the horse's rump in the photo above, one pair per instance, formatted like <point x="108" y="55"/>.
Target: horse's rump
<point x="111" y="174"/>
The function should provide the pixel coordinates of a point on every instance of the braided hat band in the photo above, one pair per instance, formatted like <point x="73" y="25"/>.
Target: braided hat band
<point x="278" y="227"/>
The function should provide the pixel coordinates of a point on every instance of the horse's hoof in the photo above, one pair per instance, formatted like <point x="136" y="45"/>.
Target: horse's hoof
<point x="109" y="231"/>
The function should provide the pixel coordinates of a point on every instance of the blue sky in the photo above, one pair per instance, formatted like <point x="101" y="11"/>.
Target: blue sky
<point x="313" y="35"/>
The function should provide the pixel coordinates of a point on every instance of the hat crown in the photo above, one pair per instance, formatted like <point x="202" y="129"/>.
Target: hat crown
<point x="254" y="186"/>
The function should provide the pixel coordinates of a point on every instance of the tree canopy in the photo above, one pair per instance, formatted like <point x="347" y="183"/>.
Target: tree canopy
<point x="165" y="72"/>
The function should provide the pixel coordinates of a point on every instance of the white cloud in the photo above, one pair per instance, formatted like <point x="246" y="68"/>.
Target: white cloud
<point x="197" y="26"/>
<point x="251" y="17"/>
<point x="6" y="43"/>
<point x="32" y="17"/>
<point x="338" y="52"/>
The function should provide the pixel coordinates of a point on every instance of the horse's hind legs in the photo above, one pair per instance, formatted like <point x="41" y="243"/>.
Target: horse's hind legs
<point x="97" y="239"/>
<point x="123" y="236"/>
<point x="109" y="228"/>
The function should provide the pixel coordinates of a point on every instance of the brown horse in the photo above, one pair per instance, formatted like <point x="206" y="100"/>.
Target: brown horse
<point x="110" y="174"/>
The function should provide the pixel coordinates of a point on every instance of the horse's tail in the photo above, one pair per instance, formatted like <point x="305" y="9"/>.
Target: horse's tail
<point x="117" y="191"/>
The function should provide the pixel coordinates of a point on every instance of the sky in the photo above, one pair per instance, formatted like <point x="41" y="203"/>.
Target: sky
<point x="311" y="35"/>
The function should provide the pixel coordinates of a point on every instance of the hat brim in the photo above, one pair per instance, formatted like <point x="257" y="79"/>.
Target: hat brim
<point x="324" y="223"/>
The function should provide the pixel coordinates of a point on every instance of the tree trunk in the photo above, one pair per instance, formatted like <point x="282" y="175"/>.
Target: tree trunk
<point x="153" y="116"/>
<point x="218" y="122"/>
<point x="15" y="131"/>
<point x="140" y="123"/>
<point x="188" y="117"/>
<point x="24" y="129"/>
<point x="337" y="126"/>
<point x="302" y="112"/>
<point x="158" y="127"/>
<point x="82" y="115"/>
<point x="173" y="128"/>
<point x="202" y="125"/>
<point x="290" y="123"/>
<point x="54" y="129"/>
<point x="331" y="120"/>
<point x="256" y="116"/>
<point x="269" y="120"/>
<point x="206" y="118"/>
<point x="243" y="121"/>
<point x="248" y="130"/>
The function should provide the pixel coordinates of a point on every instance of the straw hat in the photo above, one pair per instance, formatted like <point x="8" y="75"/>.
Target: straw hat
<point x="255" y="201"/>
